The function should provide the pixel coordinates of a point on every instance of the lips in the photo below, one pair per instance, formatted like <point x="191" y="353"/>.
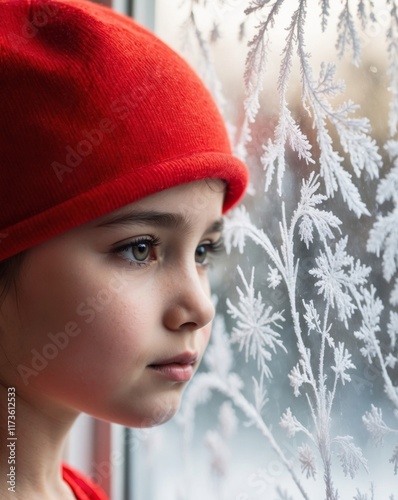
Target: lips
<point x="178" y="368"/>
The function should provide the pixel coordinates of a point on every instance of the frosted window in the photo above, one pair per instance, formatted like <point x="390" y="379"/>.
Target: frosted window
<point x="298" y="395"/>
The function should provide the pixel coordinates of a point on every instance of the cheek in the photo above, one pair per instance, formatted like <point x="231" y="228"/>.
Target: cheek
<point x="73" y="326"/>
<point x="104" y="353"/>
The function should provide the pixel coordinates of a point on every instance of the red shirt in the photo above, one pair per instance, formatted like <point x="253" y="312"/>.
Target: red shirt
<point x="81" y="485"/>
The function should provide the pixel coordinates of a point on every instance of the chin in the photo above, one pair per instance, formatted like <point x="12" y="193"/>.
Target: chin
<point x="149" y="415"/>
<point x="157" y="418"/>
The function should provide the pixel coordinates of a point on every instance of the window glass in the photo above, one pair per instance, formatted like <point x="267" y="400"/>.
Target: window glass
<point x="298" y="395"/>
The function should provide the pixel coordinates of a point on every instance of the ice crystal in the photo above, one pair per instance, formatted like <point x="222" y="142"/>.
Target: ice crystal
<point x="254" y="75"/>
<point x="338" y="278"/>
<point x="325" y="12"/>
<point x="394" y="459"/>
<point x="360" y="496"/>
<point x="256" y="325"/>
<point x="394" y="294"/>
<point x="373" y="421"/>
<point x="350" y="456"/>
<point x="363" y="496"/>
<point x="384" y="237"/>
<point x="392" y="329"/>
<point x="257" y="57"/>
<point x="274" y="278"/>
<point x="236" y="227"/>
<point x="348" y="34"/>
<point x="290" y="423"/>
<point x="260" y="395"/>
<point x="311" y="217"/>
<point x="371" y="308"/>
<point x="286" y="132"/>
<point x="312" y="317"/>
<point x="307" y="461"/>
<point x="298" y="376"/>
<point x="391" y="360"/>
<point x="353" y="133"/>
<point x="342" y="359"/>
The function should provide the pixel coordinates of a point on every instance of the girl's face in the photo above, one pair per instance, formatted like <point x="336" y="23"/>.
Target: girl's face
<point x="112" y="317"/>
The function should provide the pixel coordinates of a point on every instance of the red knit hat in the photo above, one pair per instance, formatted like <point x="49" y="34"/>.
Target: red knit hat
<point x="96" y="113"/>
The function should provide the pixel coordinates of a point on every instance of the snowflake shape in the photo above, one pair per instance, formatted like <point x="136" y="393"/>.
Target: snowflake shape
<point x="256" y="325"/>
<point x="236" y="228"/>
<point x="338" y="278"/>
<point x="374" y="423"/>
<point x="342" y="359"/>
<point x="307" y="461"/>
<point x="274" y="278"/>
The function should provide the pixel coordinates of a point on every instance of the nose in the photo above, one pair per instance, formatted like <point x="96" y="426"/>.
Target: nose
<point x="188" y="302"/>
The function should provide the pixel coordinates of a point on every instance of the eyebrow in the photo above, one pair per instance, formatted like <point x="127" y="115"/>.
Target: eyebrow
<point x="168" y="220"/>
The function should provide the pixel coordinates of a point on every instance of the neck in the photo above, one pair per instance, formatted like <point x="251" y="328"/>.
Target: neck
<point x="31" y="464"/>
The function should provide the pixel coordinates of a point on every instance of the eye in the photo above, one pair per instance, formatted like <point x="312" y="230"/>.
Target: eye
<point x="201" y="254"/>
<point x="205" y="251"/>
<point x="140" y="251"/>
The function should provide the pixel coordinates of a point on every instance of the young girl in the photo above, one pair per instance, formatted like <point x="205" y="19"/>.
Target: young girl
<point x="115" y="172"/>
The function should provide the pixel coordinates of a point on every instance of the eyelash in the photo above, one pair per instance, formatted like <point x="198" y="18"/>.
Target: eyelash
<point x="149" y="240"/>
<point x="212" y="248"/>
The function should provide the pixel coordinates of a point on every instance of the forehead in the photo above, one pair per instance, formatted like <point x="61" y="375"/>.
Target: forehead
<point x="203" y="199"/>
<point x="197" y="192"/>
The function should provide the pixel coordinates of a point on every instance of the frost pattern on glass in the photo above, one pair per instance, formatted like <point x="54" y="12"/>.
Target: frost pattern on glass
<point x="346" y="320"/>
